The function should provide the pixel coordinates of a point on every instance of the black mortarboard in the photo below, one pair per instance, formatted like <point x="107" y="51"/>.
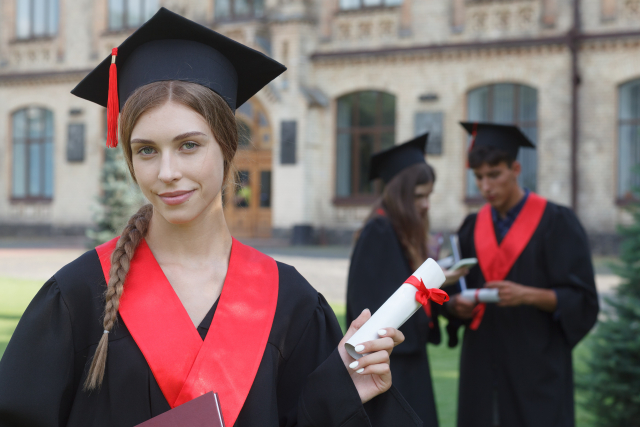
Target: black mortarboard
<point x="387" y="164"/>
<point x="507" y="138"/>
<point x="171" y="47"/>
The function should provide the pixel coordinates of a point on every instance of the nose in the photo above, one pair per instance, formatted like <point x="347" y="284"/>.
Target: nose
<point x="484" y="185"/>
<point x="169" y="171"/>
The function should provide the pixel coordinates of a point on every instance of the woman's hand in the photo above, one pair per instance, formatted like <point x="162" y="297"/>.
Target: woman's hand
<point x="371" y="374"/>
<point x="452" y="276"/>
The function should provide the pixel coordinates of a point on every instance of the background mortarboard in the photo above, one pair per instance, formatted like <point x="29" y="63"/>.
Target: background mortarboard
<point x="171" y="47"/>
<point x="387" y="164"/>
<point x="507" y="138"/>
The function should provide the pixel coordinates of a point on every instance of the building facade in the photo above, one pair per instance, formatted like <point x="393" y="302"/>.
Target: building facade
<point x="362" y="75"/>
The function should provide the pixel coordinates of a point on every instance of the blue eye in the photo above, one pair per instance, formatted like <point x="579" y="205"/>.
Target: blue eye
<point x="146" y="150"/>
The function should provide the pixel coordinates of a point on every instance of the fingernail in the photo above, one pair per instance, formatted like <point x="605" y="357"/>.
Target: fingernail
<point x="359" y="348"/>
<point x="382" y="332"/>
<point x="354" y="365"/>
<point x="364" y="310"/>
<point x="361" y="370"/>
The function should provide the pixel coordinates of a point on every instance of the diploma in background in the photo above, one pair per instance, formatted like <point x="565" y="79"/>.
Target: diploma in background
<point x="203" y="411"/>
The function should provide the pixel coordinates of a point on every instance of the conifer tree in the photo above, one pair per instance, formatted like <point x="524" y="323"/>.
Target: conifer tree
<point x="119" y="199"/>
<point x="613" y="384"/>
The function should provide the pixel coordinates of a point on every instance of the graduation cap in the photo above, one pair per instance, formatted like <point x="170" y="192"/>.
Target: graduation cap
<point x="507" y="138"/>
<point x="387" y="164"/>
<point x="171" y="47"/>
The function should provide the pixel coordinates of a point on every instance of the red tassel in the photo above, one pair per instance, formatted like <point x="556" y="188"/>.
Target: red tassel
<point x="113" y="107"/>
<point x="473" y="135"/>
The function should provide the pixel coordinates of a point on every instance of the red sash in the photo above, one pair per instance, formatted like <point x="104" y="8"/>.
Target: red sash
<point x="184" y="366"/>
<point x="497" y="260"/>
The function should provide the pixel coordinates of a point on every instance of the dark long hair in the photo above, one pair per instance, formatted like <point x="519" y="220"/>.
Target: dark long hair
<point x="398" y="204"/>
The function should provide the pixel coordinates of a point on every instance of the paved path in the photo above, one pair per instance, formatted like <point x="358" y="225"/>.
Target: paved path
<point x="326" y="269"/>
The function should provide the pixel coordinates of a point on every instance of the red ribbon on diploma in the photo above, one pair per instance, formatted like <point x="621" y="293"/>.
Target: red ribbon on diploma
<point x="424" y="295"/>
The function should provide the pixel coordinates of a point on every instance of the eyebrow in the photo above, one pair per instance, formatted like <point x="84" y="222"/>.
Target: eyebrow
<point x="177" y="138"/>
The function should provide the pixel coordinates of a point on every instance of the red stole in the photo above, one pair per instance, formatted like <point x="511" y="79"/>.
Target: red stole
<point x="184" y="366"/>
<point x="497" y="260"/>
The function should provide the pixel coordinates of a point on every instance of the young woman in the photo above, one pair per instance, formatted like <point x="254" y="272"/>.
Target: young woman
<point x="175" y="307"/>
<point x="390" y="247"/>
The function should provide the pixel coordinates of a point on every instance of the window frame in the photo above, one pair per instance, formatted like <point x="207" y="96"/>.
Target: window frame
<point x="125" y="16"/>
<point x="49" y="33"/>
<point x="28" y="141"/>
<point x="379" y="129"/>
<point x="630" y="197"/>
<point x="362" y="6"/>
<point x="232" y="17"/>
<point x="473" y="199"/>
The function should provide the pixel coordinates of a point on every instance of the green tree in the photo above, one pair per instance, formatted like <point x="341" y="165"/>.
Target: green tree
<point x="612" y="385"/>
<point x="119" y="199"/>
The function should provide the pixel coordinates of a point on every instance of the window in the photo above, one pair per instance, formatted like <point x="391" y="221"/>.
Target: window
<point x="507" y="103"/>
<point x="124" y="14"/>
<point x="361" y="4"/>
<point x="265" y="189"/>
<point x="628" y="139"/>
<point x="366" y="124"/>
<point x="239" y="9"/>
<point x="32" y="166"/>
<point x="36" y="18"/>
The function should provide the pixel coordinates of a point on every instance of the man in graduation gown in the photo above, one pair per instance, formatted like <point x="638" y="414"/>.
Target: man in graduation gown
<point x="516" y="364"/>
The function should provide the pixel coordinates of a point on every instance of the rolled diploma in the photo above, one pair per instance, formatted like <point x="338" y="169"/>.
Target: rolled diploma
<point x="481" y="295"/>
<point x="398" y="308"/>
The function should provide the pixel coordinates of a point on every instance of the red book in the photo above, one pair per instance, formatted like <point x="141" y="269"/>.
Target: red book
<point x="203" y="411"/>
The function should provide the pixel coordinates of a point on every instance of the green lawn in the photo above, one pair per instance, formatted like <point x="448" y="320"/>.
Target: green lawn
<point x="15" y="295"/>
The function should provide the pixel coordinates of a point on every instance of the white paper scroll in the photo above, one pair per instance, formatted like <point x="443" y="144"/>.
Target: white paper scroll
<point x="398" y="308"/>
<point x="481" y="295"/>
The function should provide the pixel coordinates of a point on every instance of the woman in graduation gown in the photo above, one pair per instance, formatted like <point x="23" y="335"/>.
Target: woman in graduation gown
<point x="390" y="247"/>
<point x="175" y="307"/>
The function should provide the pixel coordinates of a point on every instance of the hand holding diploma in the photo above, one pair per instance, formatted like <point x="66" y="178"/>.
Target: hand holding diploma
<point x="370" y="374"/>
<point x="364" y="351"/>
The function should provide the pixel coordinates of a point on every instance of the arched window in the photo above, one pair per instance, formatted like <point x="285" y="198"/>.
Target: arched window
<point x="507" y="103"/>
<point x="32" y="165"/>
<point x="366" y="124"/>
<point x="628" y="139"/>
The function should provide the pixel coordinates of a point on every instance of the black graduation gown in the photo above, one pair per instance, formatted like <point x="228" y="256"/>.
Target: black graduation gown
<point x="518" y="362"/>
<point x="301" y="380"/>
<point x="378" y="268"/>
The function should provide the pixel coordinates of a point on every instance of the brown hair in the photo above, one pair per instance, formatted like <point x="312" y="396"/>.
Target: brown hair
<point x="397" y="202"/>
<point x="223" y="125"/>
<point x="489" y="155"/>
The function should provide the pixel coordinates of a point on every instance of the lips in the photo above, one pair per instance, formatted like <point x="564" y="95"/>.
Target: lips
<point x="175" y="197"/>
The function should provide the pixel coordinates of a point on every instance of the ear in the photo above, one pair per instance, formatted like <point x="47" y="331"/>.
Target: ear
<point x="516" y="167"/>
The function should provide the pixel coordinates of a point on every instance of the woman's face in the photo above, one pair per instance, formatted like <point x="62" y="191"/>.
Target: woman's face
<point x="177" y="162"/>
<point x="421" y="198"/>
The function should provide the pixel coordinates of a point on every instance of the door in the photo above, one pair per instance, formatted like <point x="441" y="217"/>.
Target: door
<point x="248" y="204"/>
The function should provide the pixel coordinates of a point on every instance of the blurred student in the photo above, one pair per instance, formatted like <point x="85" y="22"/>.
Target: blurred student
<point x="516" y="368"/>
<point x="390" y="247"/>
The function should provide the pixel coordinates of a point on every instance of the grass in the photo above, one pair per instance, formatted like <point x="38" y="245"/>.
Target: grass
<point x="15" y="295"/>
